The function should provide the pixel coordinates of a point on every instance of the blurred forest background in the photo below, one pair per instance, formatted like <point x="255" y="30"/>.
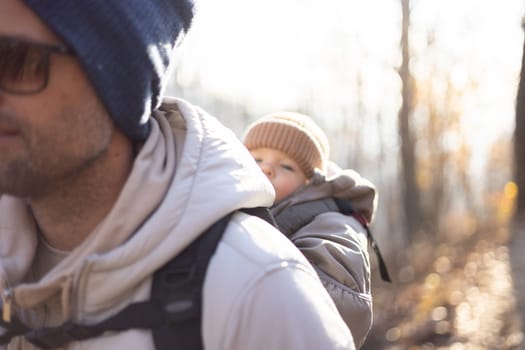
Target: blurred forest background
<point x="419" y="96"/>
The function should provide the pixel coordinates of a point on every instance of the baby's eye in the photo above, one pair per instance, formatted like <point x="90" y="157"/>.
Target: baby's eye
<point x="287" y="167"/>
<point x="258" y="160"/>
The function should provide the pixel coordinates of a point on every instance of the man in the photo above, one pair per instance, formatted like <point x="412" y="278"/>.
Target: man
<point x="101" y="187"/>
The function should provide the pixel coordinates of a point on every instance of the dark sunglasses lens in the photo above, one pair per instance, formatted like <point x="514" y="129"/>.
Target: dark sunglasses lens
<point x="23" y="66"/>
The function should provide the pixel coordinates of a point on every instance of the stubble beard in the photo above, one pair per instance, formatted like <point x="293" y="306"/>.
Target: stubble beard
<point x="45" y="166"/>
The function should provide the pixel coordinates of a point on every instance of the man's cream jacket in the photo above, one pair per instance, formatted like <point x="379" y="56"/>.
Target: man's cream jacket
<point x="259" y="292"/>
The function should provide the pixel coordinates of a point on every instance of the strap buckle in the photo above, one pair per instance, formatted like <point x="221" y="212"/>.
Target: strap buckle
<point x="12" y="329"/>
<point x="54" y="337"/>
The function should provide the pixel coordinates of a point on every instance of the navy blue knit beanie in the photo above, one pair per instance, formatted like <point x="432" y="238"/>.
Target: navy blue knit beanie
<point x="124" y="47"/>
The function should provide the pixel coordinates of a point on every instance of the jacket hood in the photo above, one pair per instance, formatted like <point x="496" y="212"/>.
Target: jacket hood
<point x="171" y="196"/>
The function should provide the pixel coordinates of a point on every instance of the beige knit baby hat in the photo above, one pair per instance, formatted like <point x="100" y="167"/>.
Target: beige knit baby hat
<point x="294" y="134"/>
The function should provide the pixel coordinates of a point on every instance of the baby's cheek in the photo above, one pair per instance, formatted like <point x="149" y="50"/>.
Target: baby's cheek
<point x="283" y="190"/>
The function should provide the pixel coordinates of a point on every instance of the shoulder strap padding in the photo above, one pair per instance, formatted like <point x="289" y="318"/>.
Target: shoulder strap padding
<point x="178" y="286"/>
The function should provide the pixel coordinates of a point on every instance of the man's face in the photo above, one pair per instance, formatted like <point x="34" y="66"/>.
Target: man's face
<point x="283" y="172"/>
<point x="51" y="136"/>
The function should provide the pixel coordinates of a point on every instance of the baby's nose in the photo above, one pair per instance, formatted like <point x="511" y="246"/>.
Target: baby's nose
<point x="267" y="170"/>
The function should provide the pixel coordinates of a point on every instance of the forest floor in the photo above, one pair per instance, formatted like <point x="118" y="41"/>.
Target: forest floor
<point x="456" y="296"/>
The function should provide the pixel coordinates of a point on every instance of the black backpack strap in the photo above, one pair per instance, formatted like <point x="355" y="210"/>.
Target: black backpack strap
<point x="173" y="312"/>
<point x="11" y="329"/>
<point x="178" y="286"/>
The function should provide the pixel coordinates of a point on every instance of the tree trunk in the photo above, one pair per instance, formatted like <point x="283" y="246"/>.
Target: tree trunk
<point x="517" y="242"/>
<point x="410" y="191"/>
<point x="519" y="140"/>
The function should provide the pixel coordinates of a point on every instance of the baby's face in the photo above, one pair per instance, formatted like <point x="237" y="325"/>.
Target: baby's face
<point x="283" y="172"/>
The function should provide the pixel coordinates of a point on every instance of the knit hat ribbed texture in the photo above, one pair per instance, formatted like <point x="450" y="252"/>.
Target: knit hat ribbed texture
<point x="294" y="134"/>
<point x="124" y="46"/>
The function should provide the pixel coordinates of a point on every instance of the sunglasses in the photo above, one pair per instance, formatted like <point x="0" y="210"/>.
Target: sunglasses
<point x="24" y="65"/>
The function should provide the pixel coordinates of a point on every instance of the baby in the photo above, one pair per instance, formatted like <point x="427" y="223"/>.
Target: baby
<point x="323" y="209"/>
